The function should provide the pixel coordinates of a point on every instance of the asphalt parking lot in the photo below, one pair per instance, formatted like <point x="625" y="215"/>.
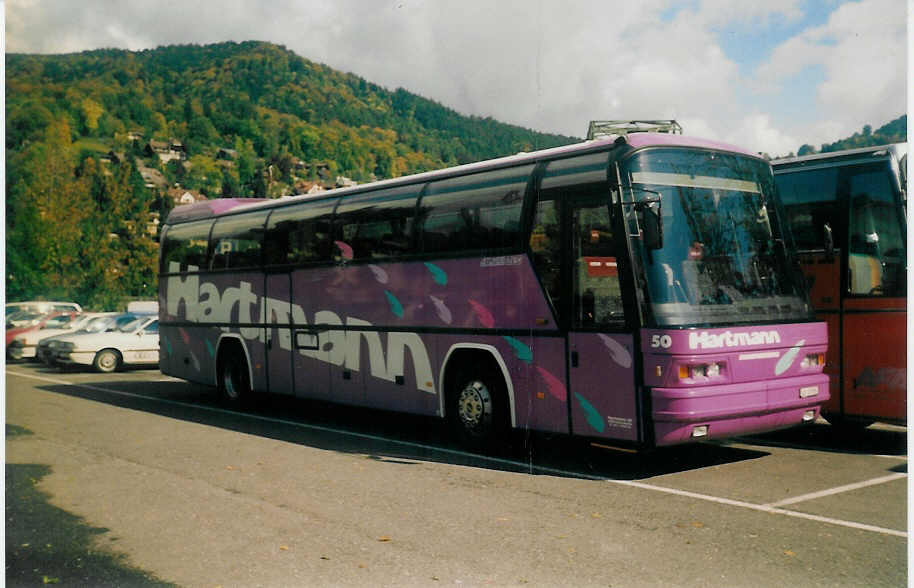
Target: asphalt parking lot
<point x="300" y="493"/>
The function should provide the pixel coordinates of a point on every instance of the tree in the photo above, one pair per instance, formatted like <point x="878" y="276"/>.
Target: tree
<point x="49" y="207"/>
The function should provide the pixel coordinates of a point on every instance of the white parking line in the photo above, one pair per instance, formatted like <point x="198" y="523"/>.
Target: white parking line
<point x="838" y="490"/>
<point x="772" y="508"/>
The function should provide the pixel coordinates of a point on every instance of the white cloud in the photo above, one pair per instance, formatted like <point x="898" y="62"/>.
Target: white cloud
<point x="552" y="66"/>
<point x="861" y="52"/>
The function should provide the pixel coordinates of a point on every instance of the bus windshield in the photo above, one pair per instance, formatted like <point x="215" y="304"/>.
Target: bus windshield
<point x="723" y="258"/>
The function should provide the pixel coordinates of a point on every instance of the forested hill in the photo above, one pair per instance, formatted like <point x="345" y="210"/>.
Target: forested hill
<point x="257" y="99"/>
<point x="895" y="131"/>
<point x="101" y="144"/>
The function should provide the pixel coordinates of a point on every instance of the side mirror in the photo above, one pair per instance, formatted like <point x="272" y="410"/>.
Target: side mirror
<point x="651" y="226"/>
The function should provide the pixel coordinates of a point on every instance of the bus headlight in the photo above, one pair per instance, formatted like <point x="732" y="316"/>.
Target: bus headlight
<point x="702" y="370"/>
<point x="813" y="360"/>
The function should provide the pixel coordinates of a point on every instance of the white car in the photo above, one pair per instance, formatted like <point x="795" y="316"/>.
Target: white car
<point x="99" y="323"/>
<point x="134" y="339"/>
<point x="25" y="346"/>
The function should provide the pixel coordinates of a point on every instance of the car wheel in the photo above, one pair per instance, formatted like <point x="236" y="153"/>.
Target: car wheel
<point x="107" y="361"/>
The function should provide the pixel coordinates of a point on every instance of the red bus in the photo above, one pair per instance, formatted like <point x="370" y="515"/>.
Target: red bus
<point x="847" y="211"/>
<point x="559" y="291"/>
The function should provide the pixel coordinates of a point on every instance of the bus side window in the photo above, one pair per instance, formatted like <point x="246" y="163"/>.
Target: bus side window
<point x="476" y="212"/>
<point x="876" y="250"/>
<point x="809" y="199"/>
<point x="185" y="245"/>
<point x="597" y="292"/>
<point x="238" y="241"/>
<point x="546" y="249"/>
<point x="299" y="234"/>
<point x="378" y="224"/>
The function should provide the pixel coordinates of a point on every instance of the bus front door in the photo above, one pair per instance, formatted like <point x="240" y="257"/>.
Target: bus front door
<point x="601" y="354"/>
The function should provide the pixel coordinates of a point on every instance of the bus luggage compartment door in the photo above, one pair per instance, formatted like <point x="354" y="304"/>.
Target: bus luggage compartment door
<point x="602" y="385"/>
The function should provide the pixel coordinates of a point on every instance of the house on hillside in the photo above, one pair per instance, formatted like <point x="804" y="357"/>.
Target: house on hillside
<point x="166" y="150"/>
<point x="306" y="187"/>
<point x="152" y="178"/>
<point x="115" y="157"/>
<point x="181" y="196"/>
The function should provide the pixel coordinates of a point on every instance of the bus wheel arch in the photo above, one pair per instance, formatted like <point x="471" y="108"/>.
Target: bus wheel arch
<point x="233" y="371"/>
<point x="477" y="395"/>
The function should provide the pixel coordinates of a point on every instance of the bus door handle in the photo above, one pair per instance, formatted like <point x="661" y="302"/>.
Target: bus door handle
<point x="574" y="359"/>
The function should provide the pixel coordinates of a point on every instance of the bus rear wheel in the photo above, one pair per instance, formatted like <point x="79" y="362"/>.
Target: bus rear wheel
<point x="234" y="381"/>
<point x="476" y="410"/>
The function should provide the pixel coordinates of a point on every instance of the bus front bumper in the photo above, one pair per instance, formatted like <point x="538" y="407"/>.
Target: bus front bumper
<point x="683" y="415"/>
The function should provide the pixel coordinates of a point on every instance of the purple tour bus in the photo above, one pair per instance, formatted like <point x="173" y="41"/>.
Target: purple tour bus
<point x="636" y="291"/>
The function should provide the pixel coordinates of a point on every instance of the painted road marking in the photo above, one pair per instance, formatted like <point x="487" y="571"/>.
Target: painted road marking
<point x="773" y="508"/>
<point x="838" y="490"/>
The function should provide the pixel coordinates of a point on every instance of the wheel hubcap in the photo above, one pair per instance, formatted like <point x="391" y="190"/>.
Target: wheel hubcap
<point x="472" y="404"/>
<point x="107" y="361"/>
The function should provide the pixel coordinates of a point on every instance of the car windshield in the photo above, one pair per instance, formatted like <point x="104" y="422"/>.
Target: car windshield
<point x="22" y="318"/>
<point x="99" y="324"/>
<point x="59" y="322"/>
<point x="128" y="326"/>
<point x="79" y="322"/>
<point x="723" y="257"/>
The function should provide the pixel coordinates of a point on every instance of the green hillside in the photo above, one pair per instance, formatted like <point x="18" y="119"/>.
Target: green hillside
<point x="892" y="132"/>
<point x="97" y="141"/>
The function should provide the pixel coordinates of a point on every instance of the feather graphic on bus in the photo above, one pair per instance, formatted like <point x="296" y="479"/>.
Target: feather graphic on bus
<point x="617" y="351"/>
<point x="184" y="336"/>
<point x="345" y="249"/>
<point x="555" y="386"/>
<point x="395" y="306"/>
<point x="438" y="274"/>
<point x="379" y="274"/>
<point x="167" y="345"/>
<point x="593" y="417"/>
<point x="521" y="350"/>
<point x="485" y="317"/>
<point x="444" y="313"/>
<point x="787" y="359"/>
<point x="209" y="347"/>
<point x="195" y="361"/>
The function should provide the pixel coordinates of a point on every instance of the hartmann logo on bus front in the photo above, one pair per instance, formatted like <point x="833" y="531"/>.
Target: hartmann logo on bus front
<point x="706" y="340"/>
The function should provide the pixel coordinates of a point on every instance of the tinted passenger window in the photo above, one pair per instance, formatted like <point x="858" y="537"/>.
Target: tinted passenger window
<point x="876" y="249"/>
<point x="184" y="246"/>
<point x="480" y="211"/>
<point x="238" y="241"/>
<point x="809" y="202"/>
<point x="300" y="234"/>
<point x="378" y="224"/>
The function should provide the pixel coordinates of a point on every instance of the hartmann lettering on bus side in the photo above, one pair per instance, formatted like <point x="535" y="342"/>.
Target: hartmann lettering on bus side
<point x="706" y="340"/>
<point x="204" y="304"/>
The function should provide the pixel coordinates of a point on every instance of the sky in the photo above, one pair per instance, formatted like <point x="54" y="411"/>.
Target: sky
<point x="767" y="75"/>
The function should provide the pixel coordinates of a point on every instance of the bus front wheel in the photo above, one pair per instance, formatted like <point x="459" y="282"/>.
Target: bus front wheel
<point x="476" y="410"/>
